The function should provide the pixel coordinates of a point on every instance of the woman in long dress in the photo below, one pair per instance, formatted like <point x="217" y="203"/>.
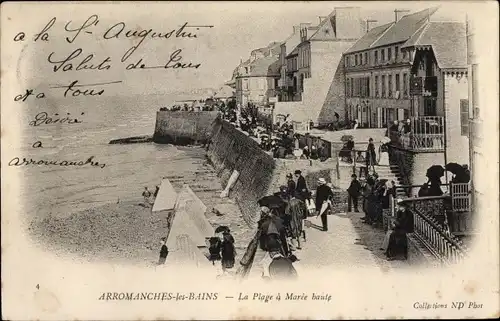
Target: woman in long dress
<point x="383" y="153"/>
<point x="228" y="251"/>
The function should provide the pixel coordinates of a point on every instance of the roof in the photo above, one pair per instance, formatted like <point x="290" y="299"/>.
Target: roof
<point x="263" y="67"/>
<point x="224" y="92"/>
<point x="448" y="42"/>
<point x="393" y="32"/>
<point x="369" y="38"/>
<point x="275" y="48"/>
<point x="405" y="27"/>
<point x="325" y="29"/>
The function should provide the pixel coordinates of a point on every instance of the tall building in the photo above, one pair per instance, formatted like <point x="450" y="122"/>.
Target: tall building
<point x="256" y="79"/>
<point x="477" y="144"/>
<point x="377" y="71"/>
<point x="314" y="70"/>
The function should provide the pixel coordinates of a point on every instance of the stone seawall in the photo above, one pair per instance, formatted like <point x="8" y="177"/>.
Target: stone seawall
<point x="231" y="149"/>
<point x="183" y="127"/>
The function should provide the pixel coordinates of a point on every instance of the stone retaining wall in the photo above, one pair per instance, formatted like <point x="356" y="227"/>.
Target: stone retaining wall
<point x="183" y="127"/>
<point x="229" y="150"/>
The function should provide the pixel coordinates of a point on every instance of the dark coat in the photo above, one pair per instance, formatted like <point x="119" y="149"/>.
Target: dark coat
<point x="164" y="251"/>
<point x="323" y="193"/>
<point x="405" y="221"/>
<point x="301" y="185"/>
<point x="291" y="187"/>
<point x="355" y="188"/>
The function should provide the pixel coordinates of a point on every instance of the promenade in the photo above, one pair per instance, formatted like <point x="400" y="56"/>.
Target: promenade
<point x="349" y="243"/>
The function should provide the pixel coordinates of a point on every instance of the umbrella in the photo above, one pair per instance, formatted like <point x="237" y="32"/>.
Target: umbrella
<point x="462" y="175"/>
<point x="455" y="168"/>
<point x="221" y="229"/>
<point x="272" y="201"/>
<point x="346" y="138"/>
<point x="435" y="171"/>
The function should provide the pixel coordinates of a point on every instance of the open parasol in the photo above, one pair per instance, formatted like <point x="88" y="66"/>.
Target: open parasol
<point x="455" y="168"/>
<point x="435" y="172"/>
<point x="272" y="201"/>
<point x="462" y="175"/>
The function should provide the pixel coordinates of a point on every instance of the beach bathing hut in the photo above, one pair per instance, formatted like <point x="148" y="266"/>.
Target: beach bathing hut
<point x="166" y="198"/>
<point x="190" y="220"/>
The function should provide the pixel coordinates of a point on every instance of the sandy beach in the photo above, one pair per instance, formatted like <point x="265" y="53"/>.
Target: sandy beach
<point x="126" y="231"/>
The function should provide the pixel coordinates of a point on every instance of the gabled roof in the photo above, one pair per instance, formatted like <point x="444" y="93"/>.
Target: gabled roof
<point x="263" y="67"/>
<point x="405" y="27"/>
<point x="369" y="38"/>
<point x="325" y="29"/>
<point x="448" y="42"/>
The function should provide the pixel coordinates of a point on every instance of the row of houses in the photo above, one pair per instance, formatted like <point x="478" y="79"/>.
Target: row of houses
<point x="414" y="67"/>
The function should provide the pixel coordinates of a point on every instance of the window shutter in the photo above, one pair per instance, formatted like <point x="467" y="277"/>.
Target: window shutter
<point x="464" y="117"/>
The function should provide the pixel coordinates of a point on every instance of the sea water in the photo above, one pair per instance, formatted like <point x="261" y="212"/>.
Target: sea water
<point x="62" y="190"/>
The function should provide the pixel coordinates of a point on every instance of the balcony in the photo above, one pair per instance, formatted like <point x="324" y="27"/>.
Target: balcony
<point x="423" y="134"/>
<point x="432" y="233"/>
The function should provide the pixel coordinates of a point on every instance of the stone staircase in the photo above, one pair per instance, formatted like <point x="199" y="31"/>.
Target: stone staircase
<point x="391" y="173"/>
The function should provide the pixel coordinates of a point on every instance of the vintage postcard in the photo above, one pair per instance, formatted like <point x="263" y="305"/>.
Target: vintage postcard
<point x="249" y="160"/>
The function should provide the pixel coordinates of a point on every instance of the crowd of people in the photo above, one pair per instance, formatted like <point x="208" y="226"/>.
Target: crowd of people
<point x="375" y="195"/>
<point x="281" y="225"/>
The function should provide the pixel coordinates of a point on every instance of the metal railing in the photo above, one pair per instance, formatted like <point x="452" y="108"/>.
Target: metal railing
<point x="460" y="197"/>
<point x="422" y="134"/>
<point x="433" y="235"/>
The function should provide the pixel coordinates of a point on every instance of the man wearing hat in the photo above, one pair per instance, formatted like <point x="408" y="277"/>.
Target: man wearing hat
<point x="323" y="194"/>
<point x="301" y="186"/>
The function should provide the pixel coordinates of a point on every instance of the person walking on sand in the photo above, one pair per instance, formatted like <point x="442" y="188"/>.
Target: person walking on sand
<point x="146" y="194"/>
<point x="163" y="251"/>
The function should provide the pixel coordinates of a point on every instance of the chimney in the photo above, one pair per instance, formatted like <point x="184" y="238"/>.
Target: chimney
<point x="321" y="19"/>
<point x="296" y="29"/>
<point x="397" y="12"/>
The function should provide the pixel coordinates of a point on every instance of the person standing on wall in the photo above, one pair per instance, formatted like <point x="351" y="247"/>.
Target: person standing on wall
<point x="323" y="194"/>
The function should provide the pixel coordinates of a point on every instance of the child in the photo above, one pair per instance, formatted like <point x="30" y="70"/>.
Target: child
<point x="163" y="251"/>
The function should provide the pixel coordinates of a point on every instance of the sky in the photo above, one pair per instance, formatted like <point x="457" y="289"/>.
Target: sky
<point x="238" y="28"/>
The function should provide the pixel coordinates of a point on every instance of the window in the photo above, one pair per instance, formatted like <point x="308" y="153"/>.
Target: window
<point x="464" y="117"/>
<point x="405" y="85"/>
<point x="366" y="58"/>
<point x="389" y="86"/>
<point x="347" y="61"/>
<point x="404" y="54"/>
<point x="348" y="88"/>
<point x="376" y="56"/>
<point x="245" y="83"/>
<point x="376" y="86"/>
<point x="355" y="60"/>
<point x="396" y="53"/>
<point x="475" y="92"/>
<point x="382" y="55"/>
<point x="383" y="86"/>
<point x="389" y="54"/>
<point x="397" y="84"/>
